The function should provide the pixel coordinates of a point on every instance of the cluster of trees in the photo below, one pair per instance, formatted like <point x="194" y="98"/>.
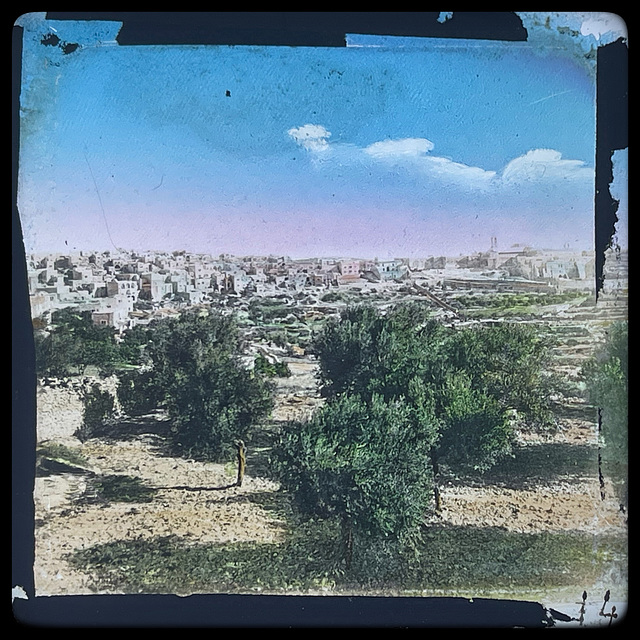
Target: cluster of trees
<point x="191" y="368"/>
<point x="405" y="397"/>
<point x="73" y="343"/>
<point x="406" y="394"/>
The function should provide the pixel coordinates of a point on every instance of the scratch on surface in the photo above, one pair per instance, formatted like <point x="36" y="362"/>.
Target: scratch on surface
<point x="104" y="215"/>
<point x="553" y="95"/>
<point x="600" y="474"/>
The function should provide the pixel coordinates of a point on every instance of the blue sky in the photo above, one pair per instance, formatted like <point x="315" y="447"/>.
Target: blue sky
<point x="405" y="149"/>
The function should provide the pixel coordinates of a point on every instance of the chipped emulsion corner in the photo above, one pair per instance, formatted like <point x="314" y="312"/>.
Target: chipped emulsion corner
<point x="18" y="592"/>
<point x="582" y="35"/>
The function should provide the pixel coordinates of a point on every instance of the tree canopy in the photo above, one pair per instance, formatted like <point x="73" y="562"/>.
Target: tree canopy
<point x="403" y="393"/>
<point x="192" y="369"/>
<point x="471" y="378"/>
<point x="73" y="343"/>
<point x="361" y="462"/>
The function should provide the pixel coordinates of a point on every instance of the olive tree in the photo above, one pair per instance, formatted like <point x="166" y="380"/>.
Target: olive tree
<point x="362" y="463"/>
<point x="194" y="372"/>
<point x="464" y="382"/>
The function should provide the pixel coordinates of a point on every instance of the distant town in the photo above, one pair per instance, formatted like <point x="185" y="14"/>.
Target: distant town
<point x="123" y="288"/>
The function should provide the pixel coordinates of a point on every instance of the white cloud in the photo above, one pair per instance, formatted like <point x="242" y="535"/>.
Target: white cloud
<point x="534" y="167"/>
<point x="312" y="137"/>
<point x="403" y="147"/>
<point x="544" y="164"/>
<point x="462" y="174"/>
<point x="415" y="151"/>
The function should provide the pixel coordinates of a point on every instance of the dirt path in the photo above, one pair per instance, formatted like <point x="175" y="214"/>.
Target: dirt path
<point x="190" y="504"/>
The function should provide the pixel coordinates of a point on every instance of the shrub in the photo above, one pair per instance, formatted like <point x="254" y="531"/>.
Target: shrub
<point x="364" y="464"/>
<point x="138" y="393"/>
<point x="277" y="369"/>
<point x="98" y="412"/>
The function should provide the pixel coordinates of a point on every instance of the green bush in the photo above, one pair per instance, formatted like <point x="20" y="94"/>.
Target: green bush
<point x="332" y="296"/>
<point x="196" y="375"/>
<point x="364" y="464"/>
<point x="476" y="431"/>
<point x="138" y="393"/>
<point x="98" y="412"/>
<point x="279" y="339"/>
<point x="277" y="369"/>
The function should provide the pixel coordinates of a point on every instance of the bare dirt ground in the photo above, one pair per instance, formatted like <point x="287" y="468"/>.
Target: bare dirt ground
<point x="191" y="504"/>
<point x="191" y="501"/>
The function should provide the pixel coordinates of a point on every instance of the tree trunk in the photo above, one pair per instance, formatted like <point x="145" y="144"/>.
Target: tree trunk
<point x="242" y="462"/>
<point x="436" y="478"/>
<point x="347" y="541"/>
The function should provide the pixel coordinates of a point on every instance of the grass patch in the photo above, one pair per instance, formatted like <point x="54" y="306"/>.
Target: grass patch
<point x="450" y="558"/>
<point x="53" y="458"/>
<point x="514" y="300"/>
<point x="121" y="488"/>
<point x="494" y="559"/>
<point x="168" y="565"/>
<point x="61" y="452"/>
<point x="511" y="304"/>
<point x="535" y="464"/>
<point x="501" y="312"/>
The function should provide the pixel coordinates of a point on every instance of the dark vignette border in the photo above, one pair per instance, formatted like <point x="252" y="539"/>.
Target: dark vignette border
<point x="311" y="29"/>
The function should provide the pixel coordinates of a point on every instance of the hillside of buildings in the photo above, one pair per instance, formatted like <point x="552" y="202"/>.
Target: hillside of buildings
<point x="122" y="289"/>
<point x="281" y="303"/>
